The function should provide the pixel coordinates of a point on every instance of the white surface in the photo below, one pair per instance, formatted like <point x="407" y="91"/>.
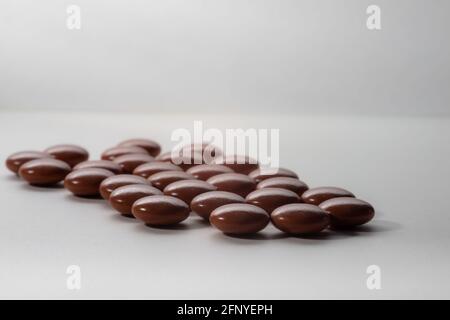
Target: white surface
<point x="400" y="165"/>
<point x="252" y="56"/>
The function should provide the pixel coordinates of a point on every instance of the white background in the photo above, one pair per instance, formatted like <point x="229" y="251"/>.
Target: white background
<point x="271" y="56"/>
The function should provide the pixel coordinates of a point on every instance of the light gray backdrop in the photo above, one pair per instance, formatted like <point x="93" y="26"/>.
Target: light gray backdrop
<point x="292" y="56"/>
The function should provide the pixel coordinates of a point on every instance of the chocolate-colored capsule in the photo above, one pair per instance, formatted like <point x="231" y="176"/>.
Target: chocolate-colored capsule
<point x="153" y="148"/>
<point x="320" y="194"/>
<point x="184" y="161"/>
<point x="14" y="161"/>
<point x="347" y="212"/>
<point x="207" y="202"/>
<point x="239" y="218"/>
<point x="263" y="174"/>
<point x="160" y="210"/>
<point x="238" y="183"/>
<point x="164" y="157"/>
<point x="300" y="218"/>
<point x="239" y="164"/>
<point x="110" y="184"/>
<point x="102" y="164"/>
<point x="69" y="153"/>
<point x="147" y="169"/>
<point x="112" y="153"/>
<point x="129" y="162"/>
<point x="187" y="190"/>
<point x="122" y="198"/>
<point x="162" y="179"/>
<point x="271" y="198"/>
<point x="86" y="182"/>
<point x="44" y="171"/>
<point x="293" y="184"/>
<point x="206" y="171"/>
<point x="206" y="149"/>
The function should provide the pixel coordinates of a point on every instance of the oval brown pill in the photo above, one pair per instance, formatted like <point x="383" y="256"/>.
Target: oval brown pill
<point x="112" y="153"/>
<point x="153" y="148"/>
<point x="320" y="194"/>
<point x="238" y="183"/>
<point x="148" y="169"/>
<point x="207" y="202"/>
<point x="14" y="161"/>
<point x="187" y="190"/>
<point x="44" y="171"/>
<point x="160" y="210"/>
<point x="86" y="182"/>
<point x="300" y="218"/>
<point x="129" y="162"/>
<point x="348" y="212"/>
<point x="102" y="164"/>
<point x="183" y="161"/>
<point x="293" y="184"/>
<point x="271" y="198"/>
<point x="206" y="171"/>
<point x="122" y="198"/>
<point x="263" y="174"/>
<point x="207" y="152"/>
<point x="203" y="148"/>
<point x="239" y="218"/>
<point x="69" y="153"/>
<point x="237" y="163"/>
<point x="162" y="179"/>
<point x="111" y="183"/>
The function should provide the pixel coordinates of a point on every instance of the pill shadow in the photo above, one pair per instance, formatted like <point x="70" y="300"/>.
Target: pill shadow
<point x="13" y="177"/>
<point x="42" y="188"/>
<point x="199" y="221"/>
<point x="188" y="224"/>
<point x="374" y="227"/>
<point x="122" y="218"/>
<point x="257" y="236"/>
<point x="84" y="199"/>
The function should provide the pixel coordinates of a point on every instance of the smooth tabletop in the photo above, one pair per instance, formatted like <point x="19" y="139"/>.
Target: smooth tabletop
<point x="398" y="164"/>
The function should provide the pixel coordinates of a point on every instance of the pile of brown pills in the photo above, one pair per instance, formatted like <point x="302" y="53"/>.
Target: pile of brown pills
<point x="232" y="192"/>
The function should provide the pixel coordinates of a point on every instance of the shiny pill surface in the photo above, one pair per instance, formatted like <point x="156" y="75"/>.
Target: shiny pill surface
<point x="44" y="171"/>
<point x="239" y="218"/>
<point x="153" y="148"/>
<point x="238" y="183"/>
<point x="261" y="174"/>
<point x="129" y="162"/>
<point x="15" y="160"/>
<point x="187" y="190"/>
<point x="207" y="202"/>
<point x="183" y="161"/>
<point x="160" y="210"/>
<point x="293" y="184"/>
<point x="114" y="152"/>
<point x="238" y="163"/>
<point x="147" y="169"/>
<point x="348" y="212"/>
<point x="122" y="198"/>
<point x="271" y="198"/>
<point x="86" y="182"/>
<point x="320" y="194"/>
<point x="206" y="171"/>
<point x="102" y="164"/>
<point x="300" y="218"/>
<point x="69" y="153"/>
<point x="162" y="179"/>
<point x="111" y="183"/>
